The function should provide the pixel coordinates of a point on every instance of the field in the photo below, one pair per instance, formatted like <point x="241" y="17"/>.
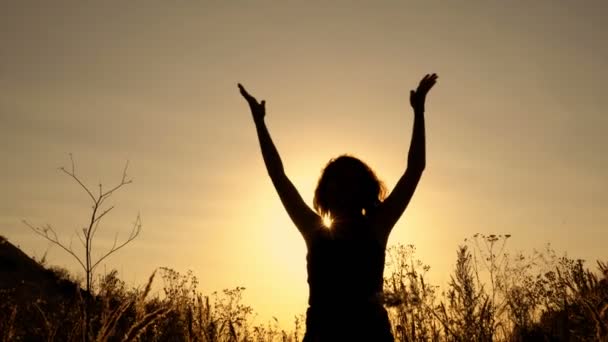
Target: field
<point x="492" y="296"/>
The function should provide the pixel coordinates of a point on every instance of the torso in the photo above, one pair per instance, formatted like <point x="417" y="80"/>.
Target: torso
<point x="345" y="268"/>
<point x="345" y="278"/>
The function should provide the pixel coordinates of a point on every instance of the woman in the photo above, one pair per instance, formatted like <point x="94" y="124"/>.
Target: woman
<point x="346" y="263"/>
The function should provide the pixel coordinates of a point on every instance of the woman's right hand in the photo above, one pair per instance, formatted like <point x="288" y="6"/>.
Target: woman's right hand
<point x="258" y="109"/>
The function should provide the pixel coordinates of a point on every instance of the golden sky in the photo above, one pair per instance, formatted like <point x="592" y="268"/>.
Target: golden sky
<point x="516" y="126"/>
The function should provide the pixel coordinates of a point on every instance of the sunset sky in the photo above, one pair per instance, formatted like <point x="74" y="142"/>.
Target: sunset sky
<point x="517" y="127"/>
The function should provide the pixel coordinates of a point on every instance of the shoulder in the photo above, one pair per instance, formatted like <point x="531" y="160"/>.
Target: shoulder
<point x="315" y="232"/>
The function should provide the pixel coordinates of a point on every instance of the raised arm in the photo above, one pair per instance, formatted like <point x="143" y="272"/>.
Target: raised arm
<point x="303" y="217"/>
<point x="394" y="205"/>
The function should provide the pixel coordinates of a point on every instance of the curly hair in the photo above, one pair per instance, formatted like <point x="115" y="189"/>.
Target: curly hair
<point x="347" y="179"/>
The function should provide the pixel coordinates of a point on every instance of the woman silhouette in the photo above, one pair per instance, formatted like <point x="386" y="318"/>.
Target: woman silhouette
<point x="346" y="262"/>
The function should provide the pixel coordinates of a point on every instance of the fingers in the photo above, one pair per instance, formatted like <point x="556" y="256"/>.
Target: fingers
<point x="256" y="107"/>
<point x="242" y="90"/>
<point x="428" y="79"/>
<point x="246" y="95"/>
<point x="418" y="96"/>
<point x="427" y="83"/>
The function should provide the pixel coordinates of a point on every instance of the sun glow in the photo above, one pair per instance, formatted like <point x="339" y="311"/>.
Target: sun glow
<point x="327" y="221"/>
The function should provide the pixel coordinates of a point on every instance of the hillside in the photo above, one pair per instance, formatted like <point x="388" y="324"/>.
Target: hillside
<point x="26" y="279"/>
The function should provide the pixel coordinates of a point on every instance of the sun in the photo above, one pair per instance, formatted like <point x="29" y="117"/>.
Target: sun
<point x="327" y="221"/>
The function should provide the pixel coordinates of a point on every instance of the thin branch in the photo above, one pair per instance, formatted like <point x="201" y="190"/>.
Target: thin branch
<point x="98" y="218"/>
<point x="124" y="172"/>
<point x="123" y="183"/>
<point x="73" y="165"/>
<point x="96" y="226"/>
<point x="79" y="238"/>
<point x="87" y="231"/>
<point x="78" y="181"/>
<point x="134" y="233"/>
<point x="115" y="241"/>
<point x="44" y="232"/>
<point x="102" y="198"/>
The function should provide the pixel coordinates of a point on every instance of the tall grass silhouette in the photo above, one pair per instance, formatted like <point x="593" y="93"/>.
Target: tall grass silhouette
<point x="492" y="295"/>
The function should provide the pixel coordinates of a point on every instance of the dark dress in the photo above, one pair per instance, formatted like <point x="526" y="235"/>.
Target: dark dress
<point x="345" y="276"/>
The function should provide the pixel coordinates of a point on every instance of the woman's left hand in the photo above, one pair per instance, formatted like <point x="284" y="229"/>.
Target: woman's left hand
<point x="418" y="96"/>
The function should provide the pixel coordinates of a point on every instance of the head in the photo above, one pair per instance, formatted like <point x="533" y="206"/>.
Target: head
<point x="347" y="186"/>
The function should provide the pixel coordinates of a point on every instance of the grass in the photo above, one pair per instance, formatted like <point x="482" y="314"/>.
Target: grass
<point x="492" y="295"/>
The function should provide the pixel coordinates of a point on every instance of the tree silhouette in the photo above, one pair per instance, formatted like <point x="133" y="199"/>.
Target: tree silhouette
<point x="87" y="235"/>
